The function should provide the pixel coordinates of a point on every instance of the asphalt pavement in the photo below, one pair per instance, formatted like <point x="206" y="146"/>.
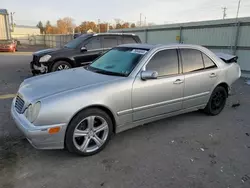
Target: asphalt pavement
<point x="191" y="150"/>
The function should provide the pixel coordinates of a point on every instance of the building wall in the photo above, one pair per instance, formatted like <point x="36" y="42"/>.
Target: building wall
<point x="25" y="34"/>
<point x="229" y="36"/>
<point x="4" y="27"/>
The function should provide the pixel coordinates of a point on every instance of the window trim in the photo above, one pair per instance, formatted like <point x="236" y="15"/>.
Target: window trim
<point x="163" y="76"/>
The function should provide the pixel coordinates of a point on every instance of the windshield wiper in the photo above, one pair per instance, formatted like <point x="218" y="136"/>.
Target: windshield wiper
<point x="104" y="71"/>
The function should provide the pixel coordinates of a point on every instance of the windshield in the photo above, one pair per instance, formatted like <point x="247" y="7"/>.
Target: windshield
<point x="76" y="42"/>
<point x="118" y="61"/>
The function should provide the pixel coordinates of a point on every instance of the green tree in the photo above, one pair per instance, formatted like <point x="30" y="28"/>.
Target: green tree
<point x="40" y="26"/>
<point x="132" y="25"/>
<point x="118" y="26"/>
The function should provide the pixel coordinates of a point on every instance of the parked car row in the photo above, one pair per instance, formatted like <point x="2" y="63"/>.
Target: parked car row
<point x="126" y="86"/>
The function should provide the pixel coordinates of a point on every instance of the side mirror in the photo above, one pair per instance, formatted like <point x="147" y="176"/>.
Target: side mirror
<point x="83" y="49"/>
<point x="147" y="75"/>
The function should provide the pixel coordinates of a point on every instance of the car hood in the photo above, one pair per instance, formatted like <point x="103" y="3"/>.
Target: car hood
<point x="51" y="51"/>
<point x="43" y="86"/>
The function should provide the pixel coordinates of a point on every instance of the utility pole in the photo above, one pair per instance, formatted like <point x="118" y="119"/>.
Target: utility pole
<point x="12" y="23"/>
<point x="145" y="21"/>
<point x="99" y="25"/>
<point x="224" y="12"/>
<point x="238" y="9"/>
<point x="140" y="19"/>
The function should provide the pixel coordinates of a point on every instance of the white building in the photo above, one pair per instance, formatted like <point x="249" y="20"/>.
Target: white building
<point x="25" y="34"/>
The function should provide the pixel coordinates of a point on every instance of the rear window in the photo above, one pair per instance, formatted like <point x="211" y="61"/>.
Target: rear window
<point x="128" y="40"/>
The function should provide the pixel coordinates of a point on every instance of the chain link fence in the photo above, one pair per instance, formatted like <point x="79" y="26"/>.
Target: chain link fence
<point x="52" y="41"/>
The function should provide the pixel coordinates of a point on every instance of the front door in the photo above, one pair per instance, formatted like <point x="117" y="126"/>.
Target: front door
<point x="94" y="50"/>
<point x="200" y="76"/>
<point x="162" y="95"/>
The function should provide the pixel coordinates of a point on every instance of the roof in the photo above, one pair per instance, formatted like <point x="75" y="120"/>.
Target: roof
<point x="152" y="46"/>
<point x="113" y="34"/>
<point x="3" y="11"/>
<point x="26" y="26"/>
<point x="139" y="45"/>
<point x="220" y="22"/>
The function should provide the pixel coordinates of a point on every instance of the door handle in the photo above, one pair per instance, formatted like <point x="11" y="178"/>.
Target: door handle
<point x="178" y="81"/>
<point x="212" y="75"/>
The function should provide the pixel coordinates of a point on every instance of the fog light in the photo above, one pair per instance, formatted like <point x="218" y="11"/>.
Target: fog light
<point x="54" y="130"/>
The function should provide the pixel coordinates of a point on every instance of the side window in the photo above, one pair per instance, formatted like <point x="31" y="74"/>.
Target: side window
<point x="128" y="40"/>
<point x="94" y="43"/>
<point x="119" y="40"/>
<point x="164" y="62"/>
<point x="191" y="60"/>
<point x="208" y="62"/>
<point x="109" y="42"/>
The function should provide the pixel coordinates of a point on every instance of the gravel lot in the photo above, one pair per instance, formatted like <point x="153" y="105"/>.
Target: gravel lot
<point x="191" y="150"/>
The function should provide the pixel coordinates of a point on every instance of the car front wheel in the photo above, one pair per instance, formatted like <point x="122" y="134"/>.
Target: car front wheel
<point x="217" y="101"/>
<point x="61" y="65"/>
<point x="89" y="132"/>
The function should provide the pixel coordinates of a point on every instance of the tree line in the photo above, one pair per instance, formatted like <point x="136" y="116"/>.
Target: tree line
<point x="67" y="26"/>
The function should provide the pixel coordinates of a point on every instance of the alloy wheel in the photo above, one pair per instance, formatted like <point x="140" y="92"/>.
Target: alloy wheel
<point x="62" y="67"/>
<point x="90" y="134"/>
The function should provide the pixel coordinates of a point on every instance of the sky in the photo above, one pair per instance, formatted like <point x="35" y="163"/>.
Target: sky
<point x="29" y="12"/>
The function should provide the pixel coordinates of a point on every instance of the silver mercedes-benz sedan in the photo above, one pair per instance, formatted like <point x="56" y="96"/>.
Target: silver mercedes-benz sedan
<point x="130" y="85"/>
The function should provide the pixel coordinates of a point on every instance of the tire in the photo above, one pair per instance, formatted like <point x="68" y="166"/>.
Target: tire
<point x="64" y="64"/>
<point x="81" y="140"/>
<point x="217" y="101"/>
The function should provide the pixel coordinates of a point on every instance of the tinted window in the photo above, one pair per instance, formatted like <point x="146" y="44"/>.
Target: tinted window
<point x="164" y="62"/>
<point x="192" y="60"/>
<point x="119" y="40"/>
<point x="128" y="40"/>
<point x="76" y="42"/>
<point x="94" y="43"/>
<point x="208" y="62"/>
<point x="109" y="42"/>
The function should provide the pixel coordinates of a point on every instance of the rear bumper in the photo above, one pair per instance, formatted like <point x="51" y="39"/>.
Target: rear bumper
<point x="38" y="136"/>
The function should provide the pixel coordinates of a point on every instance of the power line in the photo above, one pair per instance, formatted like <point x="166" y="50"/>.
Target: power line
<point x="224" y="12"/>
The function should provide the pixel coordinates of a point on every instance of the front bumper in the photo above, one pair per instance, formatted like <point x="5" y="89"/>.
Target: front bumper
<point x="6" y="49"/>
<point x="35" y="69"/>
<point x="38" y="136"/>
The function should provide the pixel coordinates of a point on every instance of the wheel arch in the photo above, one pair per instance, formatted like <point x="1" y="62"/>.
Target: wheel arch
<point x="97" y="106"/>
<point x="224" y="85"/>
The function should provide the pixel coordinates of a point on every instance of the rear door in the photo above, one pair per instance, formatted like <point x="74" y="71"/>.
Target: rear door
<point x="109" y="42"/>
<point x="200" y="74"/>
<point x="94" y="49"/>
<point x="128" y="39"/>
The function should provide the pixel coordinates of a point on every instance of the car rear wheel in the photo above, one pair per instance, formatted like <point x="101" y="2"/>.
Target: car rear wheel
<point x="61" y="65"/>
<point x="89" y="132"/>
<point x="217" y="101"/>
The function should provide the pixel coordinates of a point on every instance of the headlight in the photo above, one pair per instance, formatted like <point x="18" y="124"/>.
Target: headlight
<point x="32" y="111"/>
<point x="45" y="58"/>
